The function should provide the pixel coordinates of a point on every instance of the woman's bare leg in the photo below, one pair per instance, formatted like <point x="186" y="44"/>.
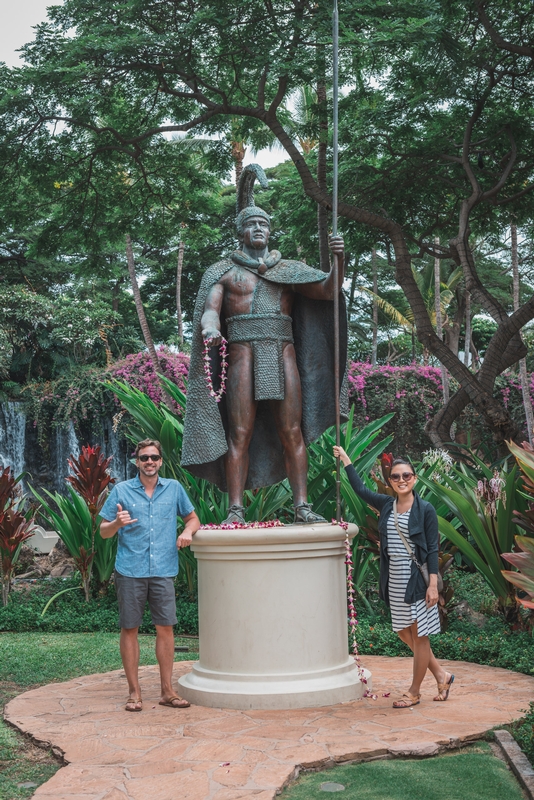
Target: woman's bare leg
<point x="408" y="635"/>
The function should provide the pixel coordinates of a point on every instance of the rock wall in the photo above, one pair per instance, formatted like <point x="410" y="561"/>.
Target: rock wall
<point x="20" y="449"/>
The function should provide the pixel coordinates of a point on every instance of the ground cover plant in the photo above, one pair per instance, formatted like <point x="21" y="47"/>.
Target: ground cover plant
<point x="475" y="773"/>
<point x="70" y="613"/>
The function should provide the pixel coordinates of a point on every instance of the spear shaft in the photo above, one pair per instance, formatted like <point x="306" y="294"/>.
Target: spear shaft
<point x="335" y="42"/>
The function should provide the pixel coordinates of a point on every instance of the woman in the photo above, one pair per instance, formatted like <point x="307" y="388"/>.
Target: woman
<point x="414" y="610"/>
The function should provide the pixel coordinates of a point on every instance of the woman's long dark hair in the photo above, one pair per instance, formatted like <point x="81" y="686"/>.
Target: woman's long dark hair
<point x="403" y="461"/>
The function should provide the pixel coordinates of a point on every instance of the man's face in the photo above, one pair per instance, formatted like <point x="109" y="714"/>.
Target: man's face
<point x="148" y="466"/>
<point x="256" y="233"/>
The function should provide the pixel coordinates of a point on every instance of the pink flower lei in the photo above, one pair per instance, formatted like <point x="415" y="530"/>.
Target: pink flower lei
<point x="224" y="368"/>
<point x="353" y="620"/>
<point x="230" y="526"/>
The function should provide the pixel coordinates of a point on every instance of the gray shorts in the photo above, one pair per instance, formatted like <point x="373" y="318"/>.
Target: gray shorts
<point x="133" y="593"/>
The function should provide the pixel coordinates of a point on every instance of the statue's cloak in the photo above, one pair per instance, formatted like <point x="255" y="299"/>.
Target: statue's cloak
<point x="205" y="425"/>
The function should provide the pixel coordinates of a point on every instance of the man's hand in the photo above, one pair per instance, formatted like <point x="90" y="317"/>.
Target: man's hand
<point x="110" y="528"/>
<point x="336" y="244"/>
<point x="192" y="524"/>
<point x="123" y="517"/>
<point x="184" y="539"/>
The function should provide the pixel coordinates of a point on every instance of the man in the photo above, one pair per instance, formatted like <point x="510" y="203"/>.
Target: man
<point x="280" y="383"/>
<point x="143" y="512"/>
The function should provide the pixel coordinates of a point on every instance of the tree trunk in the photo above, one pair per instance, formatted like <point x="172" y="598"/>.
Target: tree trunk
<point x="352" y="291"/>
<point x="439" y="322"/>
<point x="238" y="154"/>
<point x="322" y="212"/>
<point x="374" y="351"/>
<point x="115" y="297"/>
<point x="147" y="336"/>
<point x="6" y="585"/>
<point x="525" y="388"/>
<point x="453" y="329"/>
<point x="467" y="345"/>
<point x="505" y="342"/>
<point x="179" y="268"/>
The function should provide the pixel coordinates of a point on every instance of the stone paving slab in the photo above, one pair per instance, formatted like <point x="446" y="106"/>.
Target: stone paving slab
<point x="219" y="754"/>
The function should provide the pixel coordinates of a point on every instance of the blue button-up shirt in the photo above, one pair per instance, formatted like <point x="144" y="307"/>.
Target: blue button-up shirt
<point x="147" y="548"/>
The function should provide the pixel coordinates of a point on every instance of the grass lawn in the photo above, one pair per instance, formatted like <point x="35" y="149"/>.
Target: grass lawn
<point x="472" y="774"/>
<point x="31" y="659"/>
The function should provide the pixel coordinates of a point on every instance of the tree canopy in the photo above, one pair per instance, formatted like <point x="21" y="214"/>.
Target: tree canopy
<point x="436" y="150"/>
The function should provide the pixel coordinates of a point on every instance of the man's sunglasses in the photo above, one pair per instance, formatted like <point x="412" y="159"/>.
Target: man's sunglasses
<point x="395" y="477"/>
<point x="149" y="458"/>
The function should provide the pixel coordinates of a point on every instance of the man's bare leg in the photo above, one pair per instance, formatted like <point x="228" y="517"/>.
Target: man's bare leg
<point x="129" y="647"/>
<point x="165" y="656"/>
<point x="241" y="408"/>
<point x="288" y="417"/>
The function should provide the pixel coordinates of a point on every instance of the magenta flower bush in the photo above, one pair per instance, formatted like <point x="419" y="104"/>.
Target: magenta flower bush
<point x="413" y="392"/>
<point x="137" y="370"/>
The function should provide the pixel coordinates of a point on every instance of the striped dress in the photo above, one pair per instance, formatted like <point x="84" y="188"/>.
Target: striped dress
<point x="403" y="614"/>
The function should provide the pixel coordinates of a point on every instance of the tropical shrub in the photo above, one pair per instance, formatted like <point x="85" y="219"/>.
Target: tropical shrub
<point x="15" y="528"/>
<point x="482" y="524"/>
<point x="78" y="520"/>
<point x="412" y="393"/>
<point x="524" y="563"/>
<point x="137" y="370"/>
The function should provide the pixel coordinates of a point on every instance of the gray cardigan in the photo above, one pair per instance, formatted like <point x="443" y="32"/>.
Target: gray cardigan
<point x="423" y="530"/>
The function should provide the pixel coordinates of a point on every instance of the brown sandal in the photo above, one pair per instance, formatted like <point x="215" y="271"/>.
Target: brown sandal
<point x="407" y="700"/>
<point x="444" y="689"/>
<point x="172" y="704"/>
<point x="137" y="705"/>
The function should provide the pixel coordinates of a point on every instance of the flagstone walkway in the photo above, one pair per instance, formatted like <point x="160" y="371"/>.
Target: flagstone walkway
<point x="213" y="754"/>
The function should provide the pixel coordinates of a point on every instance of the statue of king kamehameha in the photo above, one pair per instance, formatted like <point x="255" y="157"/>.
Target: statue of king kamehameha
<point x="277" y="317"/>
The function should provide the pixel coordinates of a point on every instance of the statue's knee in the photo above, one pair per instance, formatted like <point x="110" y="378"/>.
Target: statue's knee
<point x="292" y="437"/>
<point x="240" y="437"/>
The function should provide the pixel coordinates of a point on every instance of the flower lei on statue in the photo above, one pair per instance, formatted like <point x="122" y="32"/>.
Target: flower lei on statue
<point x="230" y="526"/>
<point x="353" y="619"/>
<point x="224" y="368"/>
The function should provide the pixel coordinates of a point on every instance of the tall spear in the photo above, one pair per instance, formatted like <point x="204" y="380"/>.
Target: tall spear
<point x="335" y="40"/>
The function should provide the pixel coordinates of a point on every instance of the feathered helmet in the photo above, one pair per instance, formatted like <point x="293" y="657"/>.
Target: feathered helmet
<point x="245" y="196"/>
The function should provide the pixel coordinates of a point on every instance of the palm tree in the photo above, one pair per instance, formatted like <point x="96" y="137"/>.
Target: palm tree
<point x="147" y="335"/>
<point x="425" y="282"/>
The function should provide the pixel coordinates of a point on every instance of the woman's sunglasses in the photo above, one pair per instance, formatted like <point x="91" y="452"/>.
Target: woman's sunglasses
<point x="149" y="458"/>
<point x="395" y="477"/>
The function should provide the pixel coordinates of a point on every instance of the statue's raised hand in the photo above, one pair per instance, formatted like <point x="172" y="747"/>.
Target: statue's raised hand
<point x="336" y="244"/>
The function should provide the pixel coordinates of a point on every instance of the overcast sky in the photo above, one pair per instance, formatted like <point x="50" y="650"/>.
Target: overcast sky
<point x="18" y="18"/>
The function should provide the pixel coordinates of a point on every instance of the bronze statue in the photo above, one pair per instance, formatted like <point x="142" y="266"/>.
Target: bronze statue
<point x="277" y="317"/>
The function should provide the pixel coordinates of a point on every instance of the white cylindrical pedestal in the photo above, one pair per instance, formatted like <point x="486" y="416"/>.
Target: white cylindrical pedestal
<point x="273" y="619"/>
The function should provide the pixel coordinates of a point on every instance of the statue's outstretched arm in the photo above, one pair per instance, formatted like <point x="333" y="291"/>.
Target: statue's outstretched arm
<point x="324" y="290"/>
<point x="211" y="318"/>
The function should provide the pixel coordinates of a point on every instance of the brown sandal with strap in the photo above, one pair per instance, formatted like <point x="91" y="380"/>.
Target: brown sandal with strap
<point x="444" y="689"/>
<point x="137" y="704"/>
<point x="407" y="700"/>
<point x="181" y="703"/>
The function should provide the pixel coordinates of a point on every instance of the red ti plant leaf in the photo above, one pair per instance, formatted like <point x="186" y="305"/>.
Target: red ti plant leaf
<point x="386" y="462"/>
<point x="14" y="530"/>
<point x="83" y="561"/>
<point x="91" y="477"/>
<point x="7" y="488"/>
<point x="524" y="562"/>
